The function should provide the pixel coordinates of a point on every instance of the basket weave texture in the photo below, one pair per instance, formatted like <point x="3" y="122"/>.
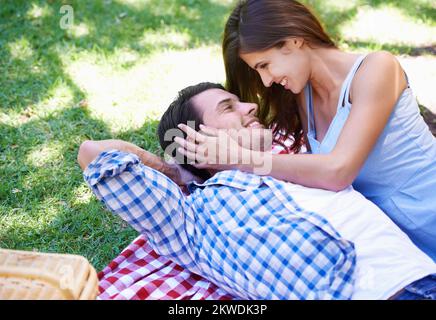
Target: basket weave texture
<point x="28" y="275"/>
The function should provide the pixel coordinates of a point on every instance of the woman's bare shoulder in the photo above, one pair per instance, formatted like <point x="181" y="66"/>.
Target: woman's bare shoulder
<point x="381" y="69"/>
<point x="381" y="61"/>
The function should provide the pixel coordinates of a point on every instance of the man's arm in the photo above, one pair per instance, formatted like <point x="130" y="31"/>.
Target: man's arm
<point x="146" y="199"/>
<point x="89" y="150"/>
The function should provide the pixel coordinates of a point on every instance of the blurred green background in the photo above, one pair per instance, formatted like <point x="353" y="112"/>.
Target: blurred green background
<point x="113" y="73"/>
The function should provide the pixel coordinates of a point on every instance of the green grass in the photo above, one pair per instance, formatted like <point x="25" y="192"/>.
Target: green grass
<point x="51" y="100"/>
<point x="111" y="76"/>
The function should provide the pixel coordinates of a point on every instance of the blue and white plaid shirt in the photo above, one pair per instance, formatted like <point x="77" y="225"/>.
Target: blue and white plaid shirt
<point x="241" y="231"/>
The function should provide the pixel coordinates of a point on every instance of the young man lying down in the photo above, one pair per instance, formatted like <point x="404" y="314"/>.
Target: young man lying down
<point x="254" y="236"/>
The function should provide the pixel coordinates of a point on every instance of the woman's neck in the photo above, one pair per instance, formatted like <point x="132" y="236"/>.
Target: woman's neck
<point x="329" y="70"/>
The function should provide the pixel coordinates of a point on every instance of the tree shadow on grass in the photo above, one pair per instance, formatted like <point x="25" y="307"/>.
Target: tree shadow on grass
<point x="396" y="49"/>
<point x="35" y="67"/>
<point x="48" y="191"/>
<point x="109" y="26"/>
<point x="41" y="205"/>
<point x="202" y="20"/>
<point x="429" y="118"/>
<point x="333" y="18"/>
<point x="412" y="8"/>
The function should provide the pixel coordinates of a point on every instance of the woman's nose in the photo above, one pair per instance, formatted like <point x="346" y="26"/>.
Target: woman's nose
<point x="266" y="79"/>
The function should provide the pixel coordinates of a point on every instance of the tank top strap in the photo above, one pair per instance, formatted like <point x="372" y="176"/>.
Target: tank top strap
<point x="309" y="108"/>
<point x="407" y="79"/>
<point x="344" y="98"/>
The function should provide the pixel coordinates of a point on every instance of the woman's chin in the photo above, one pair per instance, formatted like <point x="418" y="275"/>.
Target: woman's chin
<point x="294" y="90"/>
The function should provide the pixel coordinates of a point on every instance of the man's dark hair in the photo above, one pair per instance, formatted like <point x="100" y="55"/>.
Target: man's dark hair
<point x="182" y="110"/>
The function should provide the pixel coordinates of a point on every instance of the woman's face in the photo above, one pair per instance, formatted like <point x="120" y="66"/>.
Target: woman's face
<point x="287" y="66"/>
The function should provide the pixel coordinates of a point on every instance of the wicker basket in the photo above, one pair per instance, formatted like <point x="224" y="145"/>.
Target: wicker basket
<point x="46" y="276"/>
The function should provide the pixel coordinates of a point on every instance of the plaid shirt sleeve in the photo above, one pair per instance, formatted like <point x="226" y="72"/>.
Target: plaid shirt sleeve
<point x="148" y="200"/>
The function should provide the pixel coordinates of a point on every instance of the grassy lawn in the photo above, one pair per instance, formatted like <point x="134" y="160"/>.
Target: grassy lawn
<point x="110" y="76"/>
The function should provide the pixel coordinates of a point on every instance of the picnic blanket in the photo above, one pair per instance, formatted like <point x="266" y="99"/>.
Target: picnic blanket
<point x="139" y="273"/>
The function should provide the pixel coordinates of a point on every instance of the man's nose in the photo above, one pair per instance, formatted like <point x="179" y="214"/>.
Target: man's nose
<point x="247" y="108"/>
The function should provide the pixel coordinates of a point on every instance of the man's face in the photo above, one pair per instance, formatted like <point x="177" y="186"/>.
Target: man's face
<point x="222" y="110"/>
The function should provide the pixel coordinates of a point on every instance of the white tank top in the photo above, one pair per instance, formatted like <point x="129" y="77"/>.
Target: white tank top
<point x="387" y="260"/>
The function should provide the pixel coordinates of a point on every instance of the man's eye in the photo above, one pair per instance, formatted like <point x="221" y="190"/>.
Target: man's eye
<point x="263" y="66"/>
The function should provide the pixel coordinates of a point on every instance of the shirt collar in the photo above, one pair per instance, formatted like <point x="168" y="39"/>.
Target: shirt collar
<point x="231" y="178"/>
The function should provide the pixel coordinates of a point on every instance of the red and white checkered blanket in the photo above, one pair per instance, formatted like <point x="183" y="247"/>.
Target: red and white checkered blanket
<point x="139" y="273"/>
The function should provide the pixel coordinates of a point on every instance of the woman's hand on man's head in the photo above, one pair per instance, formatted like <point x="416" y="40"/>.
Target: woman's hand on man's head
<point x="222" y="149"/>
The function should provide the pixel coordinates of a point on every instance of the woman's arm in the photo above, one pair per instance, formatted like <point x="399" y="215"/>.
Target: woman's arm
<point x="375" y="90"/>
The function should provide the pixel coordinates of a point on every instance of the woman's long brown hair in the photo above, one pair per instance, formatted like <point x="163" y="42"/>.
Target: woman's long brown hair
<point x="259" y="25"/>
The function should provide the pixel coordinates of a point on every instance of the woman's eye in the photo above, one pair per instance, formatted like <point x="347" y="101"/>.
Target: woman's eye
<point x="263" y="66"/>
